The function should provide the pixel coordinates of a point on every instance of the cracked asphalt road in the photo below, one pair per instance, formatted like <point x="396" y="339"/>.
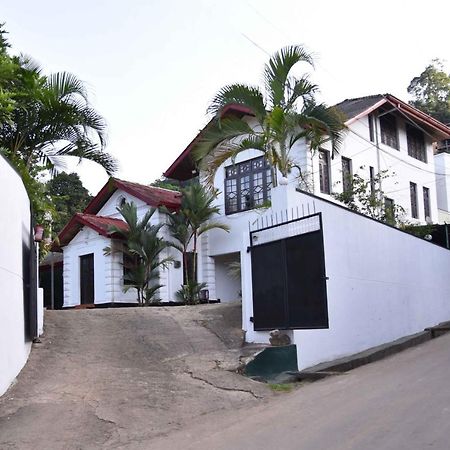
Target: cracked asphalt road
<point x="119" y="378"/>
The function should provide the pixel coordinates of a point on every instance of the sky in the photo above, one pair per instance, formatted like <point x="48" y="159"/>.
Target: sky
<point x="152" y="67"/>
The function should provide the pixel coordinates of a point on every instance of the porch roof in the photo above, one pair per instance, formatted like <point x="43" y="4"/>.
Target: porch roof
<point x="102" y="225"/>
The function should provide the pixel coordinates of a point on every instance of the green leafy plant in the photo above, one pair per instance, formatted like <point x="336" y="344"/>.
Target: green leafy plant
<point x="143" y="248"/>
<point x="190" y="293"/>
<point x="194" y="218"/>
<point x="367" y="197"/>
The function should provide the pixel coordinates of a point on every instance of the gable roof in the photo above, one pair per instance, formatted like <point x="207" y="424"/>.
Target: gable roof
<point x="102" y="225"/>
<point x="355" y="108"/>
<point x="153" y="196"/>
<point x="351" y="107"/>
<point x="184" y="168"/>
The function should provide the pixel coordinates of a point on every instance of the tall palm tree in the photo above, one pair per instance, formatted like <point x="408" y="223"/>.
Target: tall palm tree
<point x="52" y="118"/>
<point x="195" y="217"/>
<point x="285" y="113"/>
<point x="143" y="252"/>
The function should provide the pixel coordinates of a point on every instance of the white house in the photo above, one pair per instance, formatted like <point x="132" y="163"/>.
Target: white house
<point x="90" y="276"/>
<point x="380" y="293"/>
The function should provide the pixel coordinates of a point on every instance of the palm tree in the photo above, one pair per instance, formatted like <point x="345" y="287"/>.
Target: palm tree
<point x="285" y="113"/>
<point x="52" y="118"/>
<point x="142" y="249"/>
<point x="194" y="218"/>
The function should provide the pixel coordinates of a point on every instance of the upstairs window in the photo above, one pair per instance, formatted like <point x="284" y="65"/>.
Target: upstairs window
<point x="416" y="143"/>
<point x="388" y="128"/>
<point x="346" y="174"/>
<point x="371" y="119"/>
<point x="372" y="181"/>
<point x="247" y="185"/>
<point x="324" y="171"/>
<point x="426" y="203"/>
<point x="413" y="194"/>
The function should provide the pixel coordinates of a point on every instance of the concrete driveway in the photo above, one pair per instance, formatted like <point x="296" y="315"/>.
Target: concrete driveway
<point x="118" y="378"/>
<point x="400" y="403"/>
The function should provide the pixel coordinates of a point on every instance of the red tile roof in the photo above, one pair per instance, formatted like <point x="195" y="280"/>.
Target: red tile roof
<point x="102" y="225"/>
<point x="183" y="168"/>
<point x="153" y="196"/>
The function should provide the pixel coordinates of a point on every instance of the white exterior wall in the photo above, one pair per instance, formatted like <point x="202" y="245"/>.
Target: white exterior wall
<point x="402" y="168"/>
<point x="442" y="163"/>
<point x="383" y="283"/>
<point x="108" y="270"/>
<point x="227" y="287"/>
<point x="14" y="230"/>
<point x="85" y="242"/>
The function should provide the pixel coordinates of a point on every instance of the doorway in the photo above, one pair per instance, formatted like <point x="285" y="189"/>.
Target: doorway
<point x="87" y="279"/>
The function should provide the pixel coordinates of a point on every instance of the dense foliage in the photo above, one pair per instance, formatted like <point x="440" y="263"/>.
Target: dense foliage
<point x="43" y="119"/>
<point x="431" y="91"/>
<point x="143" y="252"/>
<point x="69" y="196"/>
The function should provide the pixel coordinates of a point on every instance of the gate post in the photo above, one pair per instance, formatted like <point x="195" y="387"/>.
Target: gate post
<point x="246" y="287"/>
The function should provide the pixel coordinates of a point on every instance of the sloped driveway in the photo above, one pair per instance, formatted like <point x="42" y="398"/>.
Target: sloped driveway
<point x="118" y="378"/>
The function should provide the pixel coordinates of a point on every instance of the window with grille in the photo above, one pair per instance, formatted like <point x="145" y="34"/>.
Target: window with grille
<point x="416" y="143"/>
<point x="413" y="194"/>
<point x="372" y="181"/>
<point x="346" y="174"/>
<point x="130" y="262"/>
<point x="371" y="127"/>
<point x="426" y="203"/>
<point x="324" y="171"/>
<point x="388" y="129"/>
<point x="247" y="185"/>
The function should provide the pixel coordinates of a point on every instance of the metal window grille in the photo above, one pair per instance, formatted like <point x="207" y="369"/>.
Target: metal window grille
<point x="416" y="143"/>
<point x="413" y="194"/>
<point x="247" y="185"/>
<point x="346" y="174"/>
<point x="324" y="171"/>
<point x="426" y="203"/>
<point x="388" y="128"/>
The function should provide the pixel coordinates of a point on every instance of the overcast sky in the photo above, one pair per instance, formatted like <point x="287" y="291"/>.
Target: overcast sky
<point x="153" y="66"/>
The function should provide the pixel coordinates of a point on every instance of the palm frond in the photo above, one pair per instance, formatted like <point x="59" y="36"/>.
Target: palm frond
<point x="218" y="132"/>
<point x="277" y="70"/>
<point x="65" y="84"/>
<point x="240" y="94"/>
<point x="299" y="88"/>
<point x="211" y="226"/>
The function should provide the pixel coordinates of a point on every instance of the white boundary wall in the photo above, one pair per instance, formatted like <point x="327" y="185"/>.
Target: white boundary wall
<point x="383" y="283"/>
<point x="14" y="229"/>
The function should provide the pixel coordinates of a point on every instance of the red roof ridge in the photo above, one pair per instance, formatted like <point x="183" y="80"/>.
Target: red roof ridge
<point x="151" y="195"/>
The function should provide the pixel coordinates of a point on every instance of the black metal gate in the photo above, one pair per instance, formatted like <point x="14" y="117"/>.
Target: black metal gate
<point x="288" y="275"/>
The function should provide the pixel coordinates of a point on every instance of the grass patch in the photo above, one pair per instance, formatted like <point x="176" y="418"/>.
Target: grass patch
<point x="281" y="387"/>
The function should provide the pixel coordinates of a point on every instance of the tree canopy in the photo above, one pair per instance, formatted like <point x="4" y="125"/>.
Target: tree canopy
<point x="431" y="91"/>
<point x="69" y="196"/>
<point x="43" y="119"/>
